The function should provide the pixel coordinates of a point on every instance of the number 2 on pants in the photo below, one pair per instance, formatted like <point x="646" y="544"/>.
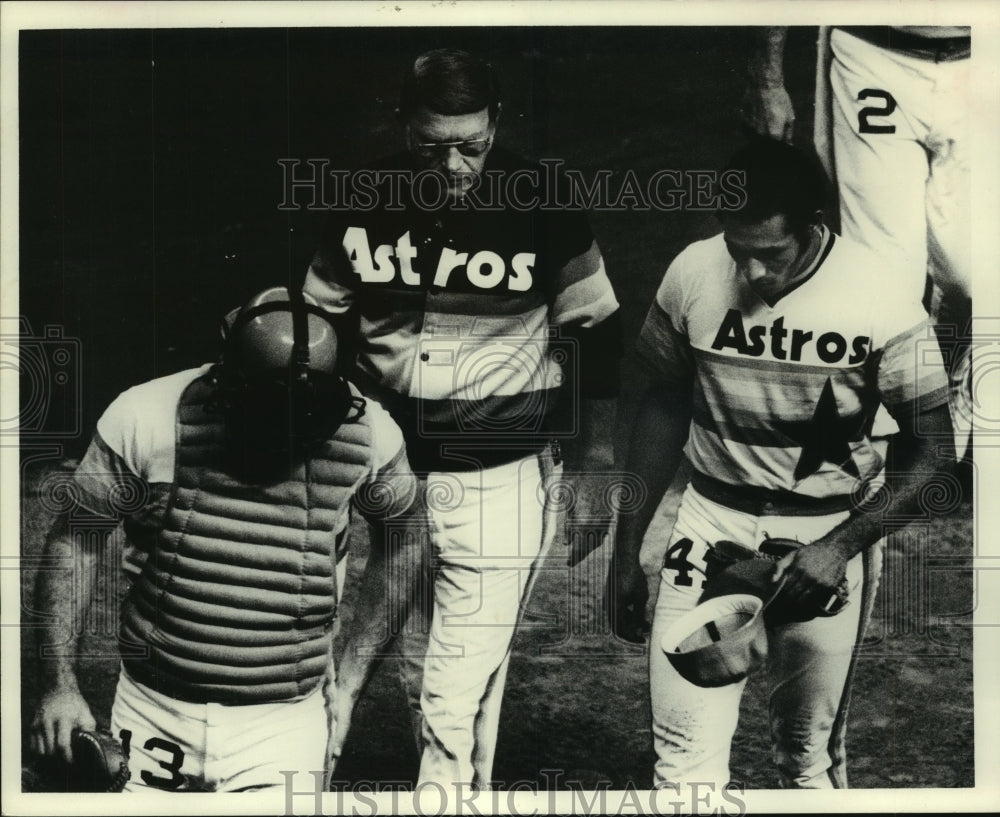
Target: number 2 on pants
<point x="173" y="765"/>
<point x="865" y="125"/>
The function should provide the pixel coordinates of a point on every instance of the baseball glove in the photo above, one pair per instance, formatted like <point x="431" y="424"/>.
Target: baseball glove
<point x="732" y="568"/>
<point x="99" y="763"/>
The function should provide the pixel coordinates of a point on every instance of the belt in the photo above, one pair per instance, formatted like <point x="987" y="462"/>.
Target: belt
<point x="756" y="501"/>
<point x="938" y="49"/>
<point x="459" y="455"/>
<point x="445" y="448"/>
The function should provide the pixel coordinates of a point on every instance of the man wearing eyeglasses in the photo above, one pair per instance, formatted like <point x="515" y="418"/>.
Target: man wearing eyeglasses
<point x="483" y="315"/>
<point x="433" y="143"/>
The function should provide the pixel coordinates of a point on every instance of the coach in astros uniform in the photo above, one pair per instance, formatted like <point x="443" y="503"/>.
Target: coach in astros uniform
<point x="771" y="347"/>
<point x="234" y="483"/>
<point x="458" y="301"/>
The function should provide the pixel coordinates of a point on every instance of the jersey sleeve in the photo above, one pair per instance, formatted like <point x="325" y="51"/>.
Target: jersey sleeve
<point x="582" y="300"/>
<point x="392" y="485"/>
<point x="110" y="475"/>
<point x="130" y="461"/>
<point x="586" y="311"/>
<point x="329" y="278"/>
<point x="583" y="293"/>
<point x="663" y="342"/>
<point x="911" y="373"/>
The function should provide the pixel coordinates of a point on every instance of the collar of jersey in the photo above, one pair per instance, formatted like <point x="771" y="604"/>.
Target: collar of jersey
<point x="825" y="246"/>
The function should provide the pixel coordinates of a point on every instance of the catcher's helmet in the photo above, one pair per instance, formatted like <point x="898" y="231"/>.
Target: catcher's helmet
<point x="719" y="642"/>
<point x="278" y="330"/>
<point x="280" y="373"/>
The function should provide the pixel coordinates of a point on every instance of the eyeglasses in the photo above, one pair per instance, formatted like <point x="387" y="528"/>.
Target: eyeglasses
<point x="467" y="147"/>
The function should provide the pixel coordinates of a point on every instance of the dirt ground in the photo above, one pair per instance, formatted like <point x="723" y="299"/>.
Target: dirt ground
<point x="576" y="707"/>
<point x="582" y="707"/>
<point x="144" y="293"/>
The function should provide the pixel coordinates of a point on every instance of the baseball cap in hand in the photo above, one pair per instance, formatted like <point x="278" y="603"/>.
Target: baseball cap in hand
<point x="719" y="642"/>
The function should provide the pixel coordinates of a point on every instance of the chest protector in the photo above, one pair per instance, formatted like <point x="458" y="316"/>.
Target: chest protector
<point x="236" y="601"/>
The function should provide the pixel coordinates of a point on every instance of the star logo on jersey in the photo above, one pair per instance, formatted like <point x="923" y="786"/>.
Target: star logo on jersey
<point x="825" y="437"/>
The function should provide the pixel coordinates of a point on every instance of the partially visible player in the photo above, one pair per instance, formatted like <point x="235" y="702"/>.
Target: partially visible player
<point x="771" y="345"/>
<point x="244" y="473"/>
<point x="892" y="123"/>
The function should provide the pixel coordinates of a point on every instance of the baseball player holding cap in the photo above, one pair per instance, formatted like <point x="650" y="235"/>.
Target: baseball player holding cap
<point x="771" y="345"/>
<point x="459" y="300"/>
<point x="243" y="474"/>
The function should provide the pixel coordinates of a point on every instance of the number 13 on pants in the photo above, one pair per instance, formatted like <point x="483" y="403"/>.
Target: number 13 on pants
<point x="174" y="745"/>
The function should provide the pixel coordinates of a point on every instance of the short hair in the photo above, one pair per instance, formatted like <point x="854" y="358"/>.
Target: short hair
<point x="779" y="179"/>
<point x="449" y="82"/>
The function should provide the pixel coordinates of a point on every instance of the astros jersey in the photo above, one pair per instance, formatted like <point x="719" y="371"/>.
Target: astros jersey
<point x="785" y="395"/>
<point x="457" y="306"/>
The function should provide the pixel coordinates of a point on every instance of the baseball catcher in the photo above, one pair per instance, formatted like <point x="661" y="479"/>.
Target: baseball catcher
<point x="240" y="477"/>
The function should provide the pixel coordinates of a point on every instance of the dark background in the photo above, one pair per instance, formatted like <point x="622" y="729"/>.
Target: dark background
<point x="149" y="194"/>
<point x="150" y="183"/>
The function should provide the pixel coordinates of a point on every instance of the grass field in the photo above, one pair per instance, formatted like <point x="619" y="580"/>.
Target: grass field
<point x="153" y="210"/>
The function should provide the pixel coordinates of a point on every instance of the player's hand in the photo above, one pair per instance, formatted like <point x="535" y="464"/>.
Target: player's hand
<point x="589" y="518"/>
<point x="812" y="573"/>
<point x="60" y="711"/>
<point x="767" y="110"/>
<point x="625" y="601"/>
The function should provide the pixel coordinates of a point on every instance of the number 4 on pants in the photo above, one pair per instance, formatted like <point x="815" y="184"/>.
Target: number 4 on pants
<point x="676" y="559"/>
